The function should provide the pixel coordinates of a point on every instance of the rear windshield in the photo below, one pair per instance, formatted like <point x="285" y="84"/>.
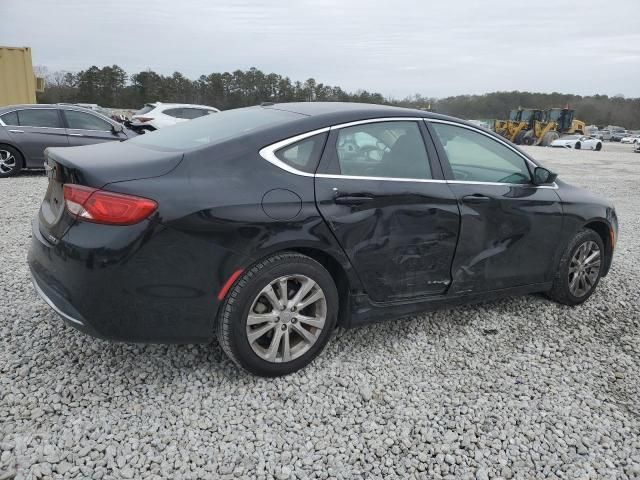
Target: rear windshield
<point x="146" y="109"/>
<point x="216" y="128"/>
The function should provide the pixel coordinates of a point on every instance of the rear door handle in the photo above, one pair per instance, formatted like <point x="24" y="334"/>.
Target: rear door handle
<point x="475" y="198"/>
<point x="16" y="131"/>
<point x="353" y="199"/>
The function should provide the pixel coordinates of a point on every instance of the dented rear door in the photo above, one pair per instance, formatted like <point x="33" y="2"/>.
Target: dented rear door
<point x="399" y="233"/>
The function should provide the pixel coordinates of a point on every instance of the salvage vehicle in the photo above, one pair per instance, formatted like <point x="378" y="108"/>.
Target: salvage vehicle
<point x="153" y="116"/>
<point x="578" y="142"/>
<point x="27" y="130"/>
<point x="266" y="227"/>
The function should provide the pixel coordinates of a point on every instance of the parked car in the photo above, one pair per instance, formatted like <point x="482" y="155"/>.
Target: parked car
<point x="26" y="130"/>
<point x="630" y="139"/>
<point x="606" y="134"/>
<point x="636" y="147"/>
<point x="268" y="226"/>
<point x="153" y="116"/>
<point x="578" y="142"/>
<point x="618" y="135"/>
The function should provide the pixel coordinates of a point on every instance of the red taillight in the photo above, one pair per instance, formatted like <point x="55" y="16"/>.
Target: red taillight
<point x="100" y="206"/>
<point x="144" y="119"/>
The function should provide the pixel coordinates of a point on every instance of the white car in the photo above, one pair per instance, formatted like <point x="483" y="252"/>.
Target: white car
<point x="630" y="139"/>
<point x="157" y="115"/>
<point x="578" y="142"/>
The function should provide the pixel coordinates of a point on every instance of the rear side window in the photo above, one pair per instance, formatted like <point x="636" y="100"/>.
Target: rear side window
<point x="479" y="158"/>
<point x="217" y="128"/>
<point x="383" y="149"/>
<point x="305" y="154"/>
<point x="173" y="112"/>
<point x="10" y="118"/>
<point x="39" y="118"/>
<point x="191" y="113"/>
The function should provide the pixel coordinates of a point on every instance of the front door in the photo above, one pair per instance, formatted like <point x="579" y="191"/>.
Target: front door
<point x="85" y="128"/>
<point x="381" y="191"/>
<point x="509" y="226"/>
<point x="37" y="129"/>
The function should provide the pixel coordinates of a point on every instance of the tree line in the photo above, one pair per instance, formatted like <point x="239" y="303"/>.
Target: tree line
<point x="111" y="86"/>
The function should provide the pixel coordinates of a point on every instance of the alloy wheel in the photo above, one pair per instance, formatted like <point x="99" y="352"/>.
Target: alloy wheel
<point x="584" y="268"/>
<point x="7" y="161"/>
<point x="286" y="318"/>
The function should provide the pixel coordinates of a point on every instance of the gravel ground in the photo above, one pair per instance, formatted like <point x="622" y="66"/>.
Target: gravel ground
<point x="520" y="388"/>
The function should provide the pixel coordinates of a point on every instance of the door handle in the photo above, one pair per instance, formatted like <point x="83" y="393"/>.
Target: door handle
<point x="475" y="198"/>
<point x="353" y="199"/>
<point x="76" y="135"/>
<point x="16" y="131"/>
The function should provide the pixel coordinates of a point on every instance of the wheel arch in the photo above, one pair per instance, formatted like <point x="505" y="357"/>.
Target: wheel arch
<point x="603" y="229"/>
<point x="339" y="275"/>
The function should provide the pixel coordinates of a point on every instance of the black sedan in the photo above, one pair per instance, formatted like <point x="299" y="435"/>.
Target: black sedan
<point x="268" y="226"/>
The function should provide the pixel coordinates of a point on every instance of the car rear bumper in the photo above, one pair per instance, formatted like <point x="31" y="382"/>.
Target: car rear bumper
<point x="144" y="283"/>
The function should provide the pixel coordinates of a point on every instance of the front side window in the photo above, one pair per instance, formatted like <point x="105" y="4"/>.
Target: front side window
<point x="384" y="149"/>
<point x="303" y="155"/>
<point x="39" y="118"/>
<point x="10" y="118"/>
<point x="86" y="121"/>
<point x="479" y="158"/>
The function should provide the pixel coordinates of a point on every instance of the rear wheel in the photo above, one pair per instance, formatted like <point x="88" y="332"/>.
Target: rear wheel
<point x="278" y="315"/>
<point x="10" y="161"/>
<point x="598" y="146"/>
<point x="577" y="146"/>
<point x="579" y="270"/>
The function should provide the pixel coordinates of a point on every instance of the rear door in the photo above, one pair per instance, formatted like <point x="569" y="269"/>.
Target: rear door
<point x="381" y="191"/>
<point x="85" y="128"/>
<point x="37" y="129"/>
<point x="509" y="226"/>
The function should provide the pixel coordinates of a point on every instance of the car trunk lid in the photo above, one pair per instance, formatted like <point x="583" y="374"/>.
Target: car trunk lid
<point x="94" y="166"/>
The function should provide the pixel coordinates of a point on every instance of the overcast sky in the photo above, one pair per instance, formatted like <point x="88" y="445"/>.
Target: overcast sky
<point x="396" y="47"/>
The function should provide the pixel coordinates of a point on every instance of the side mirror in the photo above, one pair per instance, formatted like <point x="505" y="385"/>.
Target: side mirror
<point x="116" y="128"/>
<point x="542" y="176"/>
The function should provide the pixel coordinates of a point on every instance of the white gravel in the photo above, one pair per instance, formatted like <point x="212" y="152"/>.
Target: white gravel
<point x="520" y="388"/>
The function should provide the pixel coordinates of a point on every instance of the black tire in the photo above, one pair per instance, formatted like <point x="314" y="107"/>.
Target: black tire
<point x="560" y="291"/>
<point x="598" y="146"/>
<point x="231" y="327"/>
<point x="519" y="137"/>
<point x="577" y="146"/>
<point x="11" y="161"/>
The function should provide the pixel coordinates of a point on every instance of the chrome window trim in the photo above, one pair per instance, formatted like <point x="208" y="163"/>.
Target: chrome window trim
<point x="30" y="126"/>
<point x="383" y="179"/>
<point x="268" y="153"/>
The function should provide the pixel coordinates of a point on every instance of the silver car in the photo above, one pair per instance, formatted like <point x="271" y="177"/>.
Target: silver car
<point x="26" y="130"/>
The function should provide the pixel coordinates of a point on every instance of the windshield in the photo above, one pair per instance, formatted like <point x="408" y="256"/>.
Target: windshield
<point x="216" y="128"/>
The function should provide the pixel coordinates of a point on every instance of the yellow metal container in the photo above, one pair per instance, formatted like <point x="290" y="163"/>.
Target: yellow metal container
<point x="17" y="81"/>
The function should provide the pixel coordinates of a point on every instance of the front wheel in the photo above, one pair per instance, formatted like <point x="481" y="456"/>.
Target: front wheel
<point x="278" y="315"/>
<point x="577" y="146"/>
<point x="579" y="270"/>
